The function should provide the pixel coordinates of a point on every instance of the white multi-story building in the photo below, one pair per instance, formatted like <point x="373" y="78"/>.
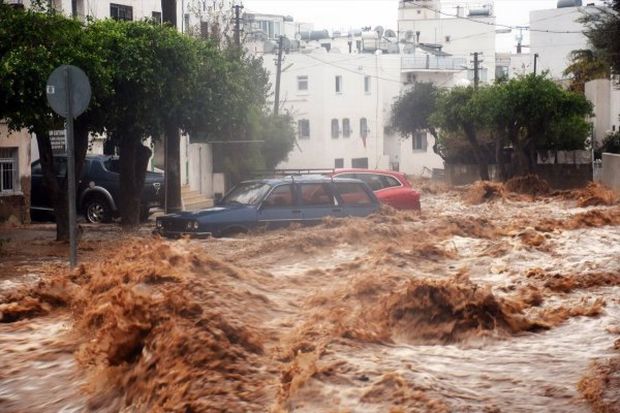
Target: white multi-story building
<point x="340" y="87"/>
<point x="342" y="100"/>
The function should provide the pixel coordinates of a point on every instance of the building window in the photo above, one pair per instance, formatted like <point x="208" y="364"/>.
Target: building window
<point x="156" y="17"/>
<point x="366" y="84"/>
<point x="303" y="128"/>
<point x="121" y="12"/>
<point x="302" y="82"/>
<point x="364" y="127"/>
<point x="335" y="128"/>
<point x="204" y="30"/>
<point x="8" y="169"/>
<point x="338" y="84"/>
<point x="346" y="127"/>
<point x="359" y="163"/>
<point x="419" y="141"/>
<point x="186" y="23"/>
<point x="339" y="163"/>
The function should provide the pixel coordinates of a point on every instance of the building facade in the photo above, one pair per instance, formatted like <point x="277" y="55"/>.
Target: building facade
<point x="14" y="175"/>
<point x="555" y="33"/>
<point x="605" y="97"/>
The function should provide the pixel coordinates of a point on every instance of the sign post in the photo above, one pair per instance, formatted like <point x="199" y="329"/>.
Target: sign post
<point x="68" y="93"/>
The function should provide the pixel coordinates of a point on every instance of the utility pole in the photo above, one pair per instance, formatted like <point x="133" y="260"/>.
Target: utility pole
<point x="476" y="69"/>
<point x="276" y="103"/>
<point x="238" y="8"/>
<point x="535" y="62"/>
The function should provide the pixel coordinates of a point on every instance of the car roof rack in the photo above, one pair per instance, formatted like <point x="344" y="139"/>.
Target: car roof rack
<point x="292" y="172"/>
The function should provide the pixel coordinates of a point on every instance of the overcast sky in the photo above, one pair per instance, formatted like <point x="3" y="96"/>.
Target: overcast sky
<point x="345" y="14"/>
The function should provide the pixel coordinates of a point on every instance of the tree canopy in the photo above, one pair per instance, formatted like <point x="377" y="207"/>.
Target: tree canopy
<point x="527" y="114"/>
<point x="148" y="80"/>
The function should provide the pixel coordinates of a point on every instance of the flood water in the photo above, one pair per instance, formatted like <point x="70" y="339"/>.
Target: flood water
<point x="462" y="308"/>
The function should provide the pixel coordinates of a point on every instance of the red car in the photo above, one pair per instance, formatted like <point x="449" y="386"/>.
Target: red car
<point x="392" y="188"/>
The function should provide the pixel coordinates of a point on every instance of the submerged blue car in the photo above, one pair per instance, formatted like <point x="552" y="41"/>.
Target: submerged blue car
<point x="273" y="203"/>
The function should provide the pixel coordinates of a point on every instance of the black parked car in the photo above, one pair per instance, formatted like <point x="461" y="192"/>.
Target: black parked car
<point x="274" y="203"/>
<point x="98" y="188"/>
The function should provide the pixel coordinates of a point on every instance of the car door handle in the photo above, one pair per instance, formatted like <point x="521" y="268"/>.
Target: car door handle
<point x="296" y="211"/>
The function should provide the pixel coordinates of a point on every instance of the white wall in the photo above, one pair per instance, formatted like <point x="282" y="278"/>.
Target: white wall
<point x="414" y="11"/>
<point x="554" y="48"/>
<point x="606" y="100"/>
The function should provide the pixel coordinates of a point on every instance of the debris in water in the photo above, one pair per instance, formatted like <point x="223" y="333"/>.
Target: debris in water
<point x="601" y="386"/>
<point x="484" y="191"/>
<point x="529" y="185"/>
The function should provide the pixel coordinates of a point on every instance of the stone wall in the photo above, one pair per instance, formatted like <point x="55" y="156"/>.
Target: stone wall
<point x="563" y="170"/>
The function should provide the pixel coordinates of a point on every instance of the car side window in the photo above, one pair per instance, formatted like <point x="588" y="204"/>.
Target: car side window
<point x="373" y="181"/>
<point x="316" y="195"/>
<point x="389" y="181"/>
<point x="280" y="197"/>
<point x="353" y="193"/>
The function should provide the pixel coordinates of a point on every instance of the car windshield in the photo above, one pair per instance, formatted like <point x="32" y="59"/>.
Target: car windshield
<point x="249" y="193"/>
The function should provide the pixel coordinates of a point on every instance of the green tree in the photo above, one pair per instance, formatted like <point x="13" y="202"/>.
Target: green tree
<point x="153" y="77"/>
<point x="32" y="45"/>
<point x="585" y="65"/>
<point x="603" y="30"/>
<point x="412" y="110"/>
<point x="457" y="114"/>
<point x="537" y="112"/>
<point x="230" y="106"/>
<point x="611" y="144"/>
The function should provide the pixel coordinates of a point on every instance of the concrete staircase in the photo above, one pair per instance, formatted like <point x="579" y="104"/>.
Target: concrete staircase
<point x="193" y="200"/>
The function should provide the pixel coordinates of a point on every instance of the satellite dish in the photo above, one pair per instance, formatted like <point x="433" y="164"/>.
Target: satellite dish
<point x="379" y="30"/>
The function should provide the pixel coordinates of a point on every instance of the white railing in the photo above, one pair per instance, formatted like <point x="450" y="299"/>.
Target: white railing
<point x="429" y="62"/>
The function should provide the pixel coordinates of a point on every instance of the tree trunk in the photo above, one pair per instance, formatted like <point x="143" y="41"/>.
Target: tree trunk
<point x="499" y="157"/>
<point x="436" y="148"/>
<point x="483" y="166"/>
<point x="134" y="158"/>
<point x="57" y="196"/>
<point x="173" y="169"/>
<point x="57" y="187"/>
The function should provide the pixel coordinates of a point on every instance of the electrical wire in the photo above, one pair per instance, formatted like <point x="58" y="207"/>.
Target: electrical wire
<point x="424" y="6"/>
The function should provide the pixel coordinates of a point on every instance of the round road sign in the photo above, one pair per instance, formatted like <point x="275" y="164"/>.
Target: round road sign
<point x="56" y="90"/>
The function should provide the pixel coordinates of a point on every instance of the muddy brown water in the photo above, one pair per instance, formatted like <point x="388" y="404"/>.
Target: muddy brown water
<point x="296" y="291"/>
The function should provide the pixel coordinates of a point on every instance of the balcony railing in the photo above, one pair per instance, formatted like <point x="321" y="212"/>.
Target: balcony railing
<point x="429" y="62"/>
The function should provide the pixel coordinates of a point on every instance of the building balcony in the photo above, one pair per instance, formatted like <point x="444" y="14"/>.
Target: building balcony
<point x="433" y="63"/>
